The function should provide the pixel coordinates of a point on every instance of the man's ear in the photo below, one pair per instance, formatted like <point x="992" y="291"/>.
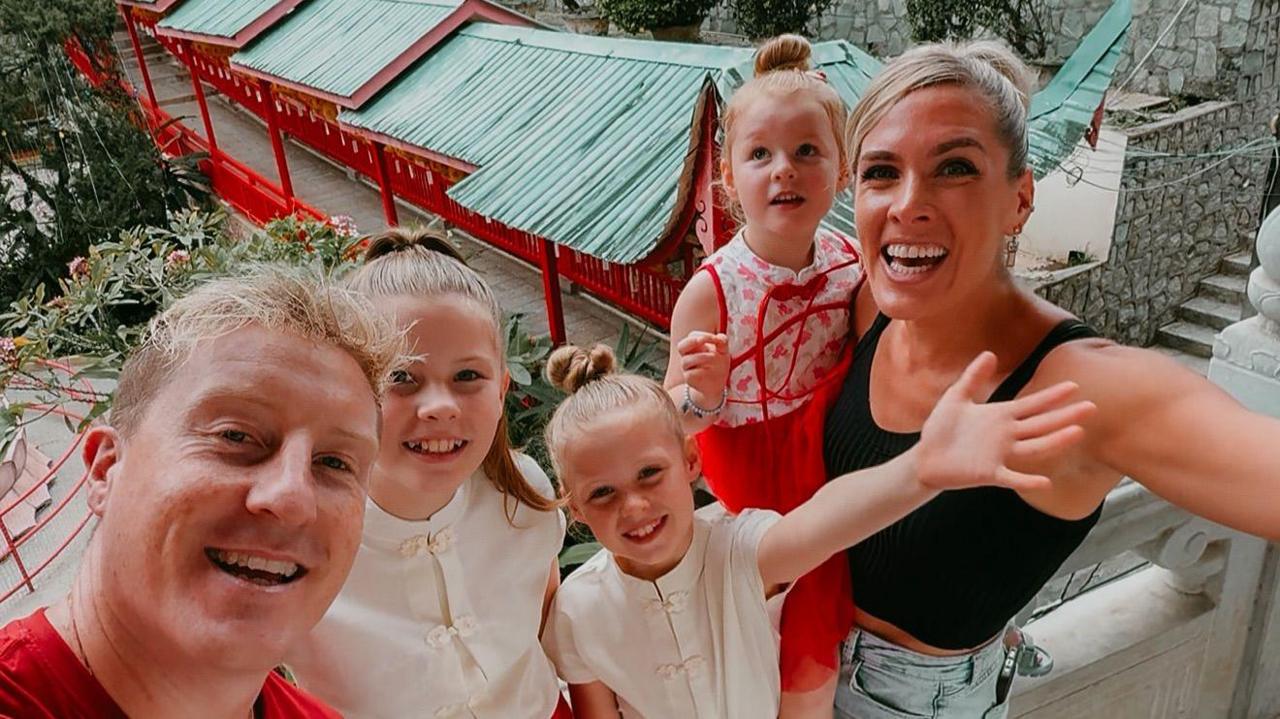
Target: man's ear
<point x="101" y="454"/>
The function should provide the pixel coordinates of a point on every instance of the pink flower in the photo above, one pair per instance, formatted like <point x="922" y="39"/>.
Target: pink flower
<point x="78" y="268"/>
<point x="8" y="352"/>
<point x="344" y="225"/>
<point x="177" y="258"/>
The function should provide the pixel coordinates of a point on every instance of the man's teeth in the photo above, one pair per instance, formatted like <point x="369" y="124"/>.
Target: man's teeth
<point x="261" y="564"/>
<point x="435" y="446"/>
<point x="914" y="251"/>
<point x="646" y="530"/>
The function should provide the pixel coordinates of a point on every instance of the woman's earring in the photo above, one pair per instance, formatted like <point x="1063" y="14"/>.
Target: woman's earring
<point x="1011" y="247"/>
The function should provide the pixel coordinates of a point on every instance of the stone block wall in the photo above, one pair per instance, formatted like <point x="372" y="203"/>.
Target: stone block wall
<point x="1177" y="218"/>
<point x="1201" y="55"/>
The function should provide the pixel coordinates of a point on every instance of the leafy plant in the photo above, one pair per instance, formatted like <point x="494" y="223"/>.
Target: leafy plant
<point x="759" y="19"/>
<point x="636" y="16"/>
<point x="1018" y="22"/>
<point x="106" y="298"/>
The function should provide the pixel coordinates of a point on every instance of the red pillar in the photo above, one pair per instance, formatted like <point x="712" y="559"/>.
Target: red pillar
<point x="137" y="52"/>
<point x="712" y="225"/>
<point x="204" y="107"/>
<point x="384" y="185"/>
<point x="277" y="146"/>
<point x="551" y="288"/>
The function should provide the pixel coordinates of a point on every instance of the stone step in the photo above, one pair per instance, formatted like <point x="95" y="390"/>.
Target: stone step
<point x="1209" y="312"/>
<point x="1190" y="338"/>
<point x="1224" y="288"/>
<point x="1237" y="264"/>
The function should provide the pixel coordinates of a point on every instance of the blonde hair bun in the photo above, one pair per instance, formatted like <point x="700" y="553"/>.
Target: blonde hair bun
<point x="570" y="367"/>
<point x="784" y="52"/>
<point x="400" y="239"/>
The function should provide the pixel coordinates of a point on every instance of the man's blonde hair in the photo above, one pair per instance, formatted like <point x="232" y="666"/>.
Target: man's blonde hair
<point x="274" y="298"/>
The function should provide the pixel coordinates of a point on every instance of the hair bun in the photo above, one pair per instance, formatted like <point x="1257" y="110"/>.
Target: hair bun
<point x="570" y="367"/>
<point x="784" y="52"/>
<point x="400" y="239"/>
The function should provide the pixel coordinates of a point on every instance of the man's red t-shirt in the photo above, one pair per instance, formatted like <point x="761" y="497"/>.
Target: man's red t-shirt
<point x="41" y="678"/>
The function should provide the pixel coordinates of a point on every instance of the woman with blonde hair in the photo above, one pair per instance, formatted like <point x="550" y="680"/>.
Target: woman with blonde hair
<point x="938" y="148"/>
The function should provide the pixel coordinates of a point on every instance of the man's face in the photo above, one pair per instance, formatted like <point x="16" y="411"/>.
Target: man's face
<point x="231" y="514"/>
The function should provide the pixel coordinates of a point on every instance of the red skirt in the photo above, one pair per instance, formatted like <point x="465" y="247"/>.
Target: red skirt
<point x="562" y="710"/>
<point x="778" y="464"/>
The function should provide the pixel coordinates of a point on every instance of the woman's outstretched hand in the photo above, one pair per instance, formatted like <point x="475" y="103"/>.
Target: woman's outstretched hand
<point x="968" y="443"/>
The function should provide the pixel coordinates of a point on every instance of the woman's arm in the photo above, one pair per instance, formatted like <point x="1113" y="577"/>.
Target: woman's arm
<point x="593" y="701"/>
<point x="1181" y="436"/>
<point x="964" y="443"/>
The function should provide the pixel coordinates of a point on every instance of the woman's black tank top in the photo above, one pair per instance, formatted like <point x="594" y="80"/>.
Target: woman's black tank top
<point x="956" y="570"/>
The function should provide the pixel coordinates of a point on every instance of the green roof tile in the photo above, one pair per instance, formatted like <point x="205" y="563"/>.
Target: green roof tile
<point x="218" y="18"/>
<point x="336" y="46"/>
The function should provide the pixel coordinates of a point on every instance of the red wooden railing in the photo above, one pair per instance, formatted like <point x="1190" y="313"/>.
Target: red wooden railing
<point x="244" y="189"/>
<point x="31" y="559"/>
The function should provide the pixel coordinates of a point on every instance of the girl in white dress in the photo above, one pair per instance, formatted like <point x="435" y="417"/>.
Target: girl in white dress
<point x="669" y="620"/>
<point x="441" y="613"/>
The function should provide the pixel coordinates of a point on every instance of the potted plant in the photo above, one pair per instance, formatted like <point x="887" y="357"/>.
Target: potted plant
<point x="675" y="20"/>
<point x="758" y="19"/>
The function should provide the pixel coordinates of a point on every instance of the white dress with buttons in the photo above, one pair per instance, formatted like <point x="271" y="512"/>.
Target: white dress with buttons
<point x="439" y="618"/>
<point x="695" y="644"/>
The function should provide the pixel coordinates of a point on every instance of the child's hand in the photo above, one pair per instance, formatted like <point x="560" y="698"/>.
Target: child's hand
<point x="966" y="444"/>
<point x="704" y="362"/>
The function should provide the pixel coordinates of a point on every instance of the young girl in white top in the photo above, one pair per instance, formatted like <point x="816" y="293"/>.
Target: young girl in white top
<point x="441" y="613"/>
<point x="669" y="621"/>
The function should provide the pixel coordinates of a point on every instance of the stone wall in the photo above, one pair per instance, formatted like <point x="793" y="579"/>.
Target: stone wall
<point x="1171" y="231"/>
<point x="1201" y="55"/>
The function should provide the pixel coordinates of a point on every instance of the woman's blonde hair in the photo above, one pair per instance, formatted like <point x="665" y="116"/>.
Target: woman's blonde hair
<point x="596" y="389"/>
<point x="987" y="68"/>
<point x="421" y="263"/>
<point x="783" y="68"/>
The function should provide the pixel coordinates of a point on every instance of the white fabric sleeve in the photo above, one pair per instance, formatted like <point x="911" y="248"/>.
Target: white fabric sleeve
<point x="558" y="641"/>
<point x="748" y="529"/>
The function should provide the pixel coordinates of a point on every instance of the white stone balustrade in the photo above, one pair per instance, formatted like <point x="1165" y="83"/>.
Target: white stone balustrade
<point x="1197" y="634"/>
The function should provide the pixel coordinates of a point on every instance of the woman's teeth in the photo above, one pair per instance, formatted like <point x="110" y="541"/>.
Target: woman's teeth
<point x="913" y="259"/>
<point x="435" y="446"/>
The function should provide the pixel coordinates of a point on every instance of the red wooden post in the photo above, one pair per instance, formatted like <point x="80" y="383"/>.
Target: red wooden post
<point x="384" y="184"/>
<point x="277" y="146"/>
<point x="551" y="288"/>
<point x="204" y="107"/>
<point x="137" y="52"/>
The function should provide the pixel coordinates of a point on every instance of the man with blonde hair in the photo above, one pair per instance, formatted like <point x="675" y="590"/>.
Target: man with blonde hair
<point x="229" y="485"/>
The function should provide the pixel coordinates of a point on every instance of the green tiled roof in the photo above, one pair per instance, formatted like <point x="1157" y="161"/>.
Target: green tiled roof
<point x="336" y="46"/>
<point x="586" y="141"/>
<point x="219" y="18"/>
<point x="589" y="142"/>
<point x="1062" y="111"/>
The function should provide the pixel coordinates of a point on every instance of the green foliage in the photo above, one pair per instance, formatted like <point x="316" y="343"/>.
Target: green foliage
<point x="759" y="19"/>
<point x="106" y="298"/>
<point x="640" y="15"/>
<point x="75" y="166"/>
<point x="1017" y="22"/>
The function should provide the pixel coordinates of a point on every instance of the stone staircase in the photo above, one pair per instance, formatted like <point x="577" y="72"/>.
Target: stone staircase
<point x="1217" y="304"/>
